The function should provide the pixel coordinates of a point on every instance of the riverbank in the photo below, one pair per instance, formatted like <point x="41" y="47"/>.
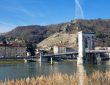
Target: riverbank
<point x="11" y="61"/>
<point x="96" y="78"/>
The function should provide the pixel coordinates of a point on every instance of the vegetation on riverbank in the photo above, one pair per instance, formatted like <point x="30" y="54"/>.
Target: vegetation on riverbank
<point x="12" y="61"/>
<point x="96" y="78"/>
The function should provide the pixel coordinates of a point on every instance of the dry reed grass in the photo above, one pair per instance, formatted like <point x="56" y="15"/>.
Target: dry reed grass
<point x="96" y="78"/>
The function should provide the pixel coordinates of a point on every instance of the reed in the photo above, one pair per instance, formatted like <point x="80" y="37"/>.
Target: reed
<point x="96" y="78"/>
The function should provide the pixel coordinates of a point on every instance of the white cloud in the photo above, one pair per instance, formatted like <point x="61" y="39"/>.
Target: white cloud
<point x="27" y="12"/>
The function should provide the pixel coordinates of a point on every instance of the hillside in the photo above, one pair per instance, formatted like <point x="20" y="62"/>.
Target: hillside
<point x="36" y="33"/>
<point x="33" y="33"/>
<point x="101" y="28"/>
<point x="59" y="39"/>
<point x="30" y="33"/>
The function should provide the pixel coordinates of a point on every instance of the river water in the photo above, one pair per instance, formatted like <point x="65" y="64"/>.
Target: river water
<point x="33" y="69"/>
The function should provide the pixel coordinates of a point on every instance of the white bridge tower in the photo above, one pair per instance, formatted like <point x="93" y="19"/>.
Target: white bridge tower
<point x="85" y="42"/>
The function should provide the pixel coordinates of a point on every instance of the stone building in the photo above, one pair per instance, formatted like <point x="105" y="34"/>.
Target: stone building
<point x="12" y="50"/>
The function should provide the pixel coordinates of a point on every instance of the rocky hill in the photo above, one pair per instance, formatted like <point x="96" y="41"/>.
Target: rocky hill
<point x="100" y="27"/>
<point x="59" y="39"/>
<point x="36" y="33"/>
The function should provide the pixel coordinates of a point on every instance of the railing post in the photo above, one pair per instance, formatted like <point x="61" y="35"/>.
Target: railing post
<point x="98" y="58"/>
<point x="51" y="62"/>
<point x="40" y="57"/>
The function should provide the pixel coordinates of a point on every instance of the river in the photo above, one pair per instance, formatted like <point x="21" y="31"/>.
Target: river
<point x="33" y="69"/>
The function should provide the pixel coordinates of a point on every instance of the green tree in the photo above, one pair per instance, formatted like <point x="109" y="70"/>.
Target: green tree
<point x="30" y="48"/>
<point x="5" y="44"/>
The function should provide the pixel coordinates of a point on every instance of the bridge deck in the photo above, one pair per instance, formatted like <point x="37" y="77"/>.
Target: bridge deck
<point x="76" y="52"/>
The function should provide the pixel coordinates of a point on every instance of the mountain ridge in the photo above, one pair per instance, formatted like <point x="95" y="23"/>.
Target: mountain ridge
<point x="37" y="33"/>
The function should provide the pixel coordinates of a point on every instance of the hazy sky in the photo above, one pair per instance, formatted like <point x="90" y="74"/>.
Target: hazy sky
<point x="43" y="12"/>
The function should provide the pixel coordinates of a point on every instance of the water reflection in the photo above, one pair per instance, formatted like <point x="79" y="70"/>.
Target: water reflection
<point x="107" y="62"/>
<point x="23" y="70"/>
<point x="81" y="72"/>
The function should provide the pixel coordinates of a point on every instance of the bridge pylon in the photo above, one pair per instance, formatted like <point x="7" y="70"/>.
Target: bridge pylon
<point x="85" y="42"/>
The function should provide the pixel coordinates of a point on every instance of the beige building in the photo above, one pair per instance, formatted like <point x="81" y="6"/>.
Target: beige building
<point x="62" y="49"/>
<point x="12" y="51"/>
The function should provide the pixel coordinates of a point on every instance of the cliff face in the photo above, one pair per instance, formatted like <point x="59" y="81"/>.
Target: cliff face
<point x="36" y="33"/>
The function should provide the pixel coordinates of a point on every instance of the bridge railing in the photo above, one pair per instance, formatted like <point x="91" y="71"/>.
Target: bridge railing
<point x="98" y="51"/>
<point x="76" y="52"/>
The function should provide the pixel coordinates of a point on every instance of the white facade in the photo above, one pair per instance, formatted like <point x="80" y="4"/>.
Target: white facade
<point x="28" y="54"/>
<point x="58" y="50"/>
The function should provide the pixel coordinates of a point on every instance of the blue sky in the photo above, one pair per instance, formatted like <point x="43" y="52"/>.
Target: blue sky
<point x="44" y="12"/>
